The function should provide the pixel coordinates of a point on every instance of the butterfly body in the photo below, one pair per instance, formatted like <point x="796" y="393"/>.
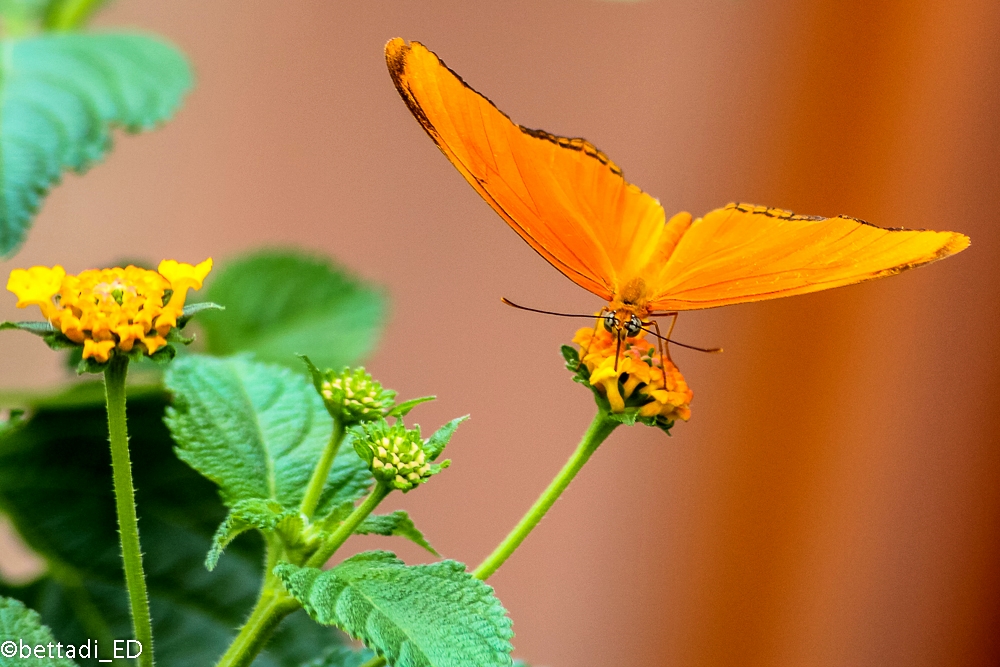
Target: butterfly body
<point x="571" y="203"/>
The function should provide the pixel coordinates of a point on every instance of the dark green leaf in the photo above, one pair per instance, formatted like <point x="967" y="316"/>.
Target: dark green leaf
<point x="55" y="485"/>
<point x="398" y="523"/>
<point x="257" y="430"/>
<point x="416" y="616"/>
<point x="342" y="656"/>
<point x="279" y="304"/>
<point x="22" y="629"/>
<point x="60" y="96"/>
<point x="437" y="442"/>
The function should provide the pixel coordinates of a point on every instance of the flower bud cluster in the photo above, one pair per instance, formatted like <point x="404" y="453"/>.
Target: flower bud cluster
<point x="395" y="454"/>
<point x="353" y="397"/>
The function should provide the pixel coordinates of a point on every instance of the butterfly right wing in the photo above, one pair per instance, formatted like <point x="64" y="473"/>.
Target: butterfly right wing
<point x="563" y="196"/>
<point x="743" y="253"/>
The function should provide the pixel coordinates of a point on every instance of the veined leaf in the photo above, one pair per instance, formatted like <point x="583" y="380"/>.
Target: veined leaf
<point x="257" y="431"/>
<point x="416" y="616"/>
<point x="23" y="627"/>
<point x="55" y="485"/>
<point x="60" y="96"/>
<point x="282" y="303"/>
<point x="266" y="516"/>
<point x="398" y="523"/>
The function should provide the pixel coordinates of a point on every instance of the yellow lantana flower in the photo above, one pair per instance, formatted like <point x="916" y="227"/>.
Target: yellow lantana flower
<point x="638" y="380"/>
<point x="105" y="310"/>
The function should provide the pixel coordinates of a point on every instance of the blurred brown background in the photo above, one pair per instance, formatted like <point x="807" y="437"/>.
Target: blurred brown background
<point x="835" y="499"/>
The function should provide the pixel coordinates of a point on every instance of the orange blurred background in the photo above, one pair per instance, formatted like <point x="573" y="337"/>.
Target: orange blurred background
<point x="834" y="500"/>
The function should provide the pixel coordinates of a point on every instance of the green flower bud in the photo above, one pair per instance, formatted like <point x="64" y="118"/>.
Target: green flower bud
<point x="354" y="396"/>
<point x="395" y="454"/>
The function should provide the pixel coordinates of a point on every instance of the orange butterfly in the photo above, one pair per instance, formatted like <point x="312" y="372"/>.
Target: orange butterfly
<point x="572" y="204"/>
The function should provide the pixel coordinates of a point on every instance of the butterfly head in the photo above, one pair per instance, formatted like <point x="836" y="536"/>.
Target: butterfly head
<point x="623" y="323"/>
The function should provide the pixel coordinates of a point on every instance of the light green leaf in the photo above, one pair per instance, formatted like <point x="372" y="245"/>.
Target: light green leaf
<point x="416" y="616"/>
<point x="283" y="303"/>
<point x="440" y="438"/>
<point x="257" y="430"/>
<point x="60" y="96"/>
<point x="398" y="523"/>
<point x="22" y="627"/>
<point x="404" y="408"/>
<point x="55" y="486"/>
<point x="266" y="516"/>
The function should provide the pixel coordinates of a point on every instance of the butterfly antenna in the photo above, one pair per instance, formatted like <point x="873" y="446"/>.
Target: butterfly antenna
<point x="711" y="350"/>
<point x="543" y="312"/>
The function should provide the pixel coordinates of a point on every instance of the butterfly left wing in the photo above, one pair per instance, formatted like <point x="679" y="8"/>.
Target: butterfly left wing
<point x="742" y="253"/>
<point x="563" y="196"/>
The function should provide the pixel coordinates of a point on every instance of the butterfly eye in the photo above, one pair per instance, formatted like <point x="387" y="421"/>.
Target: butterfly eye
<point x="633" y="326"/>
<point x="610" y="322"/>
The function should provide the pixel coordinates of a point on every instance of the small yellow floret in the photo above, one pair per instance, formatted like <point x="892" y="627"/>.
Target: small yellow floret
<point x="639" y="369"/>
<point x="108" y="309"/>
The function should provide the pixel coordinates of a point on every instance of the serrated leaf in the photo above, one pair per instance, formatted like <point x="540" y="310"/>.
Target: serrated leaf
<point x="60" y="96"/>
<point x="398" y="523"/>
<point x="257" y="431"/>
<point x="440" y="438"/>
<point x="23" y="627"/>
<point x="416" y="616"/>
<point x="256" y="513"/>
<point x="283" y="303"/>
<point x="55" y="485"/>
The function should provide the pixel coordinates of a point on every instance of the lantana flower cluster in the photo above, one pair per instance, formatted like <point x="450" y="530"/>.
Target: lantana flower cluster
<point x="105" y="310"/>
<point x="637" y="379"/>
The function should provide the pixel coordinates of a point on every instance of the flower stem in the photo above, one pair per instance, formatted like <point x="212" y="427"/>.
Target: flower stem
<point x="70" y="14"/>
<point x="128" y="526"/>
<point x="346" y="529"/>
<point x="599" y="430"/>
<point x="271" y="609"/>
<point x="322" y="471"/>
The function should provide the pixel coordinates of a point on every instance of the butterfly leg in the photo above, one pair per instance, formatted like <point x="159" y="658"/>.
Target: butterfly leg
<point x="663" y="346"/>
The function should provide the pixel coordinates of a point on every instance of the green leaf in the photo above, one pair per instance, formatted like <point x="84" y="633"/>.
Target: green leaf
<point x="440" y="438"/>
<point x="60" y="96"/>
<point x="21" y="628"/>
<point x="404" y="408"/>
<point x="416" y="616"/>
<point x="341" y="656"/>
<point x="266" y="516"/>
<point x="283" y="303"/>
<point x="257" y="430"/>
<point x="55" y="485"/>
<point x="398" y="523"/>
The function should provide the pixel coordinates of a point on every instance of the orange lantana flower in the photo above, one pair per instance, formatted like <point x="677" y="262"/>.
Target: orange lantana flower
<point x="637" y="380"/>
<point x="105" y="310"/>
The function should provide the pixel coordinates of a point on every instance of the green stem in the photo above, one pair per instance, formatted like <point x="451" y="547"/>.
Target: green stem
<point x="70" y="14"/>
<point x="322" y="471"/>
<point x="346" y="529"/>
<point x="599" y="430"/>
<point x="274" y="603"/>
<point x="272" y="607"/>
<point x="128" y="525"/>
